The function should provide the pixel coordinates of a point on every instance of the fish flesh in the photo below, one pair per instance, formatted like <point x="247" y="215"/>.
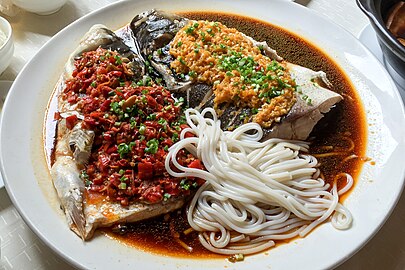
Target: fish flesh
<point x="73" y="149"/>
<point x="153" y="32"/>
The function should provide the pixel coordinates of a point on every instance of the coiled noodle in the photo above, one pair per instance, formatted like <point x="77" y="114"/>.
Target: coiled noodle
<point x="255" y="192"/>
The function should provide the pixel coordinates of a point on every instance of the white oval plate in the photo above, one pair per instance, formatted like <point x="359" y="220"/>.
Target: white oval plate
<point x="29" y="185"/>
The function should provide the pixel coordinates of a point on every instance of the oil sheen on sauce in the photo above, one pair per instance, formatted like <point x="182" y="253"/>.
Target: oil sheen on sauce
<point x="347" y="120"/>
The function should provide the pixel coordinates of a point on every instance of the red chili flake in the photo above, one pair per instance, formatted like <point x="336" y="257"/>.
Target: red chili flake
<point x="196" y="164"/>
<point x="107" y="137"/>
<point x="153" y="194"/>
<point x="145" y="170"/>
<point x="103" y="162"/>
<point x="98" y="181"/>
<point x="71" y="121"/>
<point x="72" y="98"/>
<point x="57" y="116"/>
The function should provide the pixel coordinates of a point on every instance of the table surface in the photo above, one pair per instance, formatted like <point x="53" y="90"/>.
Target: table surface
<point x="21" y="249"/>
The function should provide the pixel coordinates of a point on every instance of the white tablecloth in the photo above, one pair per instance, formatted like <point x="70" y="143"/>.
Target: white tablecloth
<point x="21" y="249"/>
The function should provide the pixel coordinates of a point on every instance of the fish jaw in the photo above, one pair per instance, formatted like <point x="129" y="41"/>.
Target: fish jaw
<point x="303" y="116"/>
<point x="70" y="187"/>
<point x="80" y="142"/>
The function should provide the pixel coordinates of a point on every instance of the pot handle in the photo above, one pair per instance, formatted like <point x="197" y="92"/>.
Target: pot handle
<point x="364" y="5"/>
<point x="367" y="7"/>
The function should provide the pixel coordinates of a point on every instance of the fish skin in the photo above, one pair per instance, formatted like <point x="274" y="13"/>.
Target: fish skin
<point x="296" y="125"/>
<point x="72" y="151"/>
<point x="153" y="30"/>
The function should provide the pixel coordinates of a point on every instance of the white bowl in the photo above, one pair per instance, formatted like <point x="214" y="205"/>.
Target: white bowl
<point x="40" y="7"/>
<point x="7" y="49"/>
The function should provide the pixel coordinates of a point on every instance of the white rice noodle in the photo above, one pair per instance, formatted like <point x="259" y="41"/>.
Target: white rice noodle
<point x="255" y="192"/>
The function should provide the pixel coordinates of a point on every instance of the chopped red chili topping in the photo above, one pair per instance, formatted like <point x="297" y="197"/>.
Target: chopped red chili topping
<point x="134" y="125"/>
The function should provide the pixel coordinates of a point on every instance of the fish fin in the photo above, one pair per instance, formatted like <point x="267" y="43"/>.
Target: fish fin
<point x="75" y="213"/>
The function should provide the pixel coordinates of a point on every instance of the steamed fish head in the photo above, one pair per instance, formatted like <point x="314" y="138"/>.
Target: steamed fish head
<point x="159" y="33"/>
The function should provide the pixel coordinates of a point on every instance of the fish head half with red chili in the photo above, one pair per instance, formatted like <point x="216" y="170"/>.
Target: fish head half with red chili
<point x="115" y="126"/>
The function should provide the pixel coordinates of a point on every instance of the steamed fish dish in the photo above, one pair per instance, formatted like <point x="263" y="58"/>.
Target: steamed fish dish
<point x="170" y="113"/>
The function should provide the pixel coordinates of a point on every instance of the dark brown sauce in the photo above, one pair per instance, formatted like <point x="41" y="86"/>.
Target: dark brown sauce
<point x="154" y="236"/>
<point x="347" y="119"/>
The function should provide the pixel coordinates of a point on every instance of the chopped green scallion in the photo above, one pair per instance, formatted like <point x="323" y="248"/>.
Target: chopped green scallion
<point x="142" y="129"/>
<point x="181" y="61"/>
<point x="123" y="149"/>
<point x="152" y="146"/>
<point x="166" y="196"/>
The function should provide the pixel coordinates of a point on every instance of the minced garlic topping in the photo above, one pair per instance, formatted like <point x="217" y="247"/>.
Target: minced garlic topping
<point x="212" y="53"/>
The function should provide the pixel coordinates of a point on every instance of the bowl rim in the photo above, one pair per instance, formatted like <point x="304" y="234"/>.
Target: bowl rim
<point x="8" y="32"/>
<point x="369" y="9"/>
<point x="42" y="7"/>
